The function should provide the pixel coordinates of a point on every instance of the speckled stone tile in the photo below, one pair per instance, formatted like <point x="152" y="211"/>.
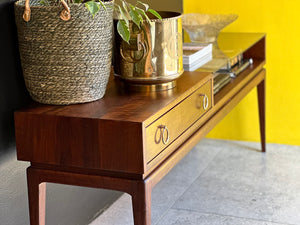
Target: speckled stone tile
<point x="183" y="217"/>
<point x="243" y="182"/>
<point x="119" y="213"/>
<point x="174" y="184"/>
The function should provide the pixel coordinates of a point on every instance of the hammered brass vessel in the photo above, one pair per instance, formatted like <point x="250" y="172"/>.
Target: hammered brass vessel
<point x="152" y="60"/>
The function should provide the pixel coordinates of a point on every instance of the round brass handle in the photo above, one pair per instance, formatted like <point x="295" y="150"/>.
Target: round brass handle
<point x="131" y="58"/>
<point x="205" y="101"/>
<point x="165" y="140"/>
<point x="163" y="134"/>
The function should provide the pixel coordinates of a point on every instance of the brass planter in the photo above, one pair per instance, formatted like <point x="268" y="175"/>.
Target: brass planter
<point x="153" y="58"/>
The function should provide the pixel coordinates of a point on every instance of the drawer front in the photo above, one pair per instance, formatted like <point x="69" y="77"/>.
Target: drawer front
<point x="172" y="124"/>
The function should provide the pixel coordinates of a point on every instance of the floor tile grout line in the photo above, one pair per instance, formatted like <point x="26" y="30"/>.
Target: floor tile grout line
<point x="204" y="169"/>
<point x="200" y="174"/>
<point x="218" y="214"/>
<point x="211" y="213"/>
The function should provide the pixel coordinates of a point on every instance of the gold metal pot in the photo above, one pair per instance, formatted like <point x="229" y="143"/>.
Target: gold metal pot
<point x="153" y="58"/>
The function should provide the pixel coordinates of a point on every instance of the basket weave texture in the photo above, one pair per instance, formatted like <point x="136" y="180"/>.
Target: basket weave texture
<point x="65" y="62"/>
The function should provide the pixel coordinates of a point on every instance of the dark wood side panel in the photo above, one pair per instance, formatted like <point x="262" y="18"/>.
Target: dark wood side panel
<point x="258" y="50"/>
<point x="79" y="142"/>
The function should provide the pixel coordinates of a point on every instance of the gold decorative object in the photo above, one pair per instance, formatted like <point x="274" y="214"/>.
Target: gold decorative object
<point x="152" y="60"/>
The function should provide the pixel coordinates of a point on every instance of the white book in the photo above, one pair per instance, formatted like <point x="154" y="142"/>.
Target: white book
<point x="198" y="63"/>
<point x="192" y="52"/>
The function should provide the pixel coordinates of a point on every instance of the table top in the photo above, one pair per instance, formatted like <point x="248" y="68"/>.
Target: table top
<point x="121" y="104"/>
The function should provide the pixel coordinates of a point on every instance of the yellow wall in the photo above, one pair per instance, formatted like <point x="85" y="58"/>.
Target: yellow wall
<point x="281" y="21"/>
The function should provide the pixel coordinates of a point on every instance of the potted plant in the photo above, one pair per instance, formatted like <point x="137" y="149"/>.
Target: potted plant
<point x="152" y="58"/>
<point x="66" y="47"/>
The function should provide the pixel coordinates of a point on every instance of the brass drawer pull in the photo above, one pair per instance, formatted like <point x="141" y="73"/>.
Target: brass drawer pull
<point x="205" y="101"/>
<point x="163" y="134"/>
<point x="165" y="141"/>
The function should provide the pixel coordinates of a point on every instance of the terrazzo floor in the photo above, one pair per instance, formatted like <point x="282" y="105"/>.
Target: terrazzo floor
<point x="220" y="183"/>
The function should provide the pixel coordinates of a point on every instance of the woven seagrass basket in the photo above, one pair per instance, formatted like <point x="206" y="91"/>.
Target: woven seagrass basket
<point x="64" y="61"/>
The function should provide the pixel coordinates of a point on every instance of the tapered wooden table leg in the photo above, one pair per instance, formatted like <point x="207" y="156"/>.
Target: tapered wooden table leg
<point x="36" y="198"/>
<point x="261" y="106"/>
<point x="141" y="204"/>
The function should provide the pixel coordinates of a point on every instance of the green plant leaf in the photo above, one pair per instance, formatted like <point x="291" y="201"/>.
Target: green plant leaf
<point x="102" y="4"/>
<point x="125" y="8"/>
<point x="142" y="12"/>
<point x="77" y="1"/>
<point x="123" y="30"/>
<point x="144" y="4"/>
<point x="93" y="7"/>
<point x="135" y="16"/>
<point x="44" y="2"/>
<point x="124" y="17"/>
<point x="125" y="5"/>
<point x="128" y="12"/>
<point x="153" y="12"/>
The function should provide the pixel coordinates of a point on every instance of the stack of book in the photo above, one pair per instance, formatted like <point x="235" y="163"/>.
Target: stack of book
<point x="220" y="80"/>
<point x="196" y="55"/>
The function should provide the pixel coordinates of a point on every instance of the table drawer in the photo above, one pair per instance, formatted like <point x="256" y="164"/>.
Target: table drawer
<point x="172" y="124"/>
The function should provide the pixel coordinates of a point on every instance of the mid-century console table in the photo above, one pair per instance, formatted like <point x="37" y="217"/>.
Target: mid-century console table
<point x="128" y="141"/>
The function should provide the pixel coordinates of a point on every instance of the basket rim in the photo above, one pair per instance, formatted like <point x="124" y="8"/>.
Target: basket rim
<point x="21" y="3"/>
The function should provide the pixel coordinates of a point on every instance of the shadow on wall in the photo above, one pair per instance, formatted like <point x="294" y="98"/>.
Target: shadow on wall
<point x="13" y="93"/>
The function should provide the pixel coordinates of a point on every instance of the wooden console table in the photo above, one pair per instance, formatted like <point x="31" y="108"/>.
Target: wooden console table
<point x="129" y="141"/>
